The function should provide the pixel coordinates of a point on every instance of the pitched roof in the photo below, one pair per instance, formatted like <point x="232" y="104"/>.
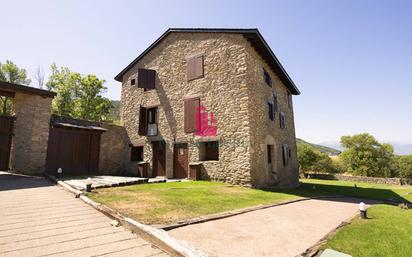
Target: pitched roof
<point x="252" y="35"/>
<point x="12" y="88"/>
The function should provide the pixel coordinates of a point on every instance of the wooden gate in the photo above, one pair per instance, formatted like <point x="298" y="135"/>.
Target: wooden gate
<point x="6" y="133"/>
<point x="75" y="151"/>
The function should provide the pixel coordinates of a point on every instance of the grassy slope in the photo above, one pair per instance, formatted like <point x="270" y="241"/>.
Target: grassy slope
<point x="386" y="233"/>
<point x="320" y="148"/>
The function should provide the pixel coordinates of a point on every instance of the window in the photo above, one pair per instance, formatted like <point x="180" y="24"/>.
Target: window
<point x="136" y="154"/>
<point x="269" y="152"/>
<point x="275" y="102"/>
<point x="289" y="99"/>
<point x="271" y="111"/>
<point x="285" y="154"/>
<point x="191" y="107"/>
<point x="132" y="82"/>
<point x="209" y="151"/>
<point x="267" y="78"/>
<point x="148" y="121"/>
<point x="282" y="120"/>
<point x="195" y="67"/>
<point x="146" y="79"/>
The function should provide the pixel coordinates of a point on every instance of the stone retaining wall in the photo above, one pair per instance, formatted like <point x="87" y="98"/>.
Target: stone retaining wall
<point x="388" y="181"/>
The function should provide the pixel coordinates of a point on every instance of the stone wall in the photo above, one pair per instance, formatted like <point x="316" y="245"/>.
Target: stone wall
<point x="232" y="88"/>
<point x="115" y="152"/>
<point x="31" y="133"/>
<point x="267" y="132"/>
<point x="388" y="181"/>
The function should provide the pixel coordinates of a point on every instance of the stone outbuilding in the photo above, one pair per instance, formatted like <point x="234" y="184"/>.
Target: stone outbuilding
<point x="24" y="134"/>
<point x="211" y="104"/>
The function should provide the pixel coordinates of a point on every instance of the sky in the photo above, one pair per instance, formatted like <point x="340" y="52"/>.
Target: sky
<point x="351" y="60"/>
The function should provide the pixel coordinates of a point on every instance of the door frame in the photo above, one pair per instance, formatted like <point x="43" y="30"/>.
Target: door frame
<point x="175" y="160"/>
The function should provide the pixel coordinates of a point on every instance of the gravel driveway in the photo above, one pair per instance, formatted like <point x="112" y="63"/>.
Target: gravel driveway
<point x="283" y="231"/>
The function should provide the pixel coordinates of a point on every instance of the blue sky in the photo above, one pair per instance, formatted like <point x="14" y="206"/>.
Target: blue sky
<point x="352" y="60"/>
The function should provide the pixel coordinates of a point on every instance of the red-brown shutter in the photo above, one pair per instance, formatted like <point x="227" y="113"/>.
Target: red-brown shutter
<point x="146" y="78"/>
<point x="190" y="109"/>
<point x="143" y="121"/>
<point x="195" y="67"/>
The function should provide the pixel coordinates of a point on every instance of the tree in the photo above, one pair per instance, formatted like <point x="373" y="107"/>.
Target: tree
<point x="307" y="157"/>
<point x="404" y="167"/>
<point x="10" y="72"/>
<point x="39" y="77"/>
<point x="78" y="96"/>
<point x="365" y="156"/>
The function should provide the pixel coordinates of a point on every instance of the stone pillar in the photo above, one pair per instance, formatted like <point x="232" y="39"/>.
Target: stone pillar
<point x="31" y="133"/>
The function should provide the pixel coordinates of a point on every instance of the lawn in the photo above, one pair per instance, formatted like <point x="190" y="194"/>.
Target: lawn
<point x="386" y="233"/>
<point x="165" y="203"/>
<point x="362" y="190"/>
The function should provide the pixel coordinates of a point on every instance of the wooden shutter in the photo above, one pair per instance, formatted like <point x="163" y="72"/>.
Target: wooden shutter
<point x="195" y="68"/>
<point x="212" y="151"/>
<point x="289" y="100"/>
<point x="271" y="113"/>
<point x="146" y="79"/>
<point x="143" y="121"/>
<point x="275" y="102"/>
<point x="282" y="120"/>
<point x="285" y="154"/>
<point x="190" y="109"/>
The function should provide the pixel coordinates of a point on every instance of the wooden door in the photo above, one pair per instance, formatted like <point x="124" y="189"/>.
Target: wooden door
<point x="180" y="161"/>
<point x="6" y="132"/>
<point x="159" y="158"/>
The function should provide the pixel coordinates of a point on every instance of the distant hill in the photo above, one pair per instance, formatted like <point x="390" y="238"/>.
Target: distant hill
<point x="399" y="148"/>
<point x="320" y="148"/>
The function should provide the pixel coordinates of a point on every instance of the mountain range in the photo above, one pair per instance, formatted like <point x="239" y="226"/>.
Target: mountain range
<point x="399" y="148"/>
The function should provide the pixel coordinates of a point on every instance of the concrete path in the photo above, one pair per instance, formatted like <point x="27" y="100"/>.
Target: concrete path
<point x="38" y="218"/>
<point x="283" y="231"/>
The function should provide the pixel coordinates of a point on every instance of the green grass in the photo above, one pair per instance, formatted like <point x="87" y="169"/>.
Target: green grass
<point x="170" y="202"/>
<point x="363" y="190"/>
<point x="387" y="233"/>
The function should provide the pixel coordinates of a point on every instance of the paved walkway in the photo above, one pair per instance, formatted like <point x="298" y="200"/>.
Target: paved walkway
<point x="283" y="231"/>
<point x="38" y="218"/>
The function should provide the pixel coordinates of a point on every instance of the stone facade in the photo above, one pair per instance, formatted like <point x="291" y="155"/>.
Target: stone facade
<point x="114" y="152"/>
<point x="233" y="89"/>
<point x="31" y="133"/>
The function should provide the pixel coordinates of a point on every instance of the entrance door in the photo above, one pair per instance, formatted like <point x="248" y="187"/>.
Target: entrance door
<point x="6" y="132"/>
<point x="159" y="158"/>
<point x="180" y="161"/>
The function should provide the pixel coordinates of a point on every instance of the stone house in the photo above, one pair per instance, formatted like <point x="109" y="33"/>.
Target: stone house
<point x="214" y="103"/>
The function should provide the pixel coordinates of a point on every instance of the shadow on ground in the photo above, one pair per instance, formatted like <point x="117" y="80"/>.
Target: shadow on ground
<point x="9" y="181"/>
<point x="310" y="189"/>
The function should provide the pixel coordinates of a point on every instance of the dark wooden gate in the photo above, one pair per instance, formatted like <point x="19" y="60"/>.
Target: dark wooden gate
<point x="75" y="151"/>
<point x="6" y="133"/>
<point x="159" y="158"/>
<point x="180" y="161"/>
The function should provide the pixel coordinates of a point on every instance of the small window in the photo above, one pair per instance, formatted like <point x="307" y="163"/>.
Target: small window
<point x="269" y="152"/>
<point x="146" y="79"/>
<point x="267" y="77"/>
<point x="289" y="99"/>
<point x="275" y="102"/>
<point x="209" y="151"/>
<point x="133" y="82"/>
<point x="271" y="111"/>
<point x="136" y="154"/>
<point x="151" y="116"/>
<point x="282" y="120"/>
<point x="285" y="154"/>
